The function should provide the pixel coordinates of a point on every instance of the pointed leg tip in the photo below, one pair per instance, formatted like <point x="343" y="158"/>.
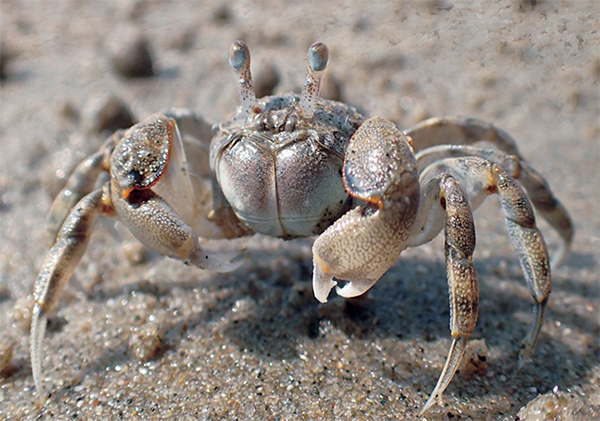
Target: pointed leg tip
<point x="38" y="328"/>
<point x="224" y="267"/>
<point x="42" y="396"/>
<point x="433" y="399"/>
<point x="221" y="262"/>
<point x="560" y="255"/>
<point x="455" y="354"/>
<point x="430" y="402"/>
<point x="524" y="355"/>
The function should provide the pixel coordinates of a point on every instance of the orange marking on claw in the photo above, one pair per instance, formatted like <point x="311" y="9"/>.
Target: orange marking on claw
<point x="376" y="200"/>
<point x="126" y="192"/>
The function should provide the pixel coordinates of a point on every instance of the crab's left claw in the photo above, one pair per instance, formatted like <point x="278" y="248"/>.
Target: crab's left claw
<point x="360" y="247"/>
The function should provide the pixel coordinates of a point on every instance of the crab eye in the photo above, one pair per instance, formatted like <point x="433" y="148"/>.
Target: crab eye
<point x="237" y="54"/>
<point x="318" y="56"/>
<point x="239" y="58"/>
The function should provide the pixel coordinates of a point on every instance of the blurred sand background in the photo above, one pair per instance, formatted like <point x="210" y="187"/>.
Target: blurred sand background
<point x="255" y="344"/>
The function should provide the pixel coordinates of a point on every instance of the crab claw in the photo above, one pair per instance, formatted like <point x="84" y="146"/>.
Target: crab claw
<point x="323" y="282"/>
<point x="364" y="243"/>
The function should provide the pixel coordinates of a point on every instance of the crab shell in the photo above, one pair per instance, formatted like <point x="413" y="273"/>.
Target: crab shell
<point x="282" y="173"/>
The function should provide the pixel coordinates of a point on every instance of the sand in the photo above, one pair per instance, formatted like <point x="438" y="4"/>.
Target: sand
<point x="254" y="343"/>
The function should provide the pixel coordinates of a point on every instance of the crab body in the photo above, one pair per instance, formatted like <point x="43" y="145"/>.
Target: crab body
<point x="282" y="173"/>
<point x="295" y="165"/>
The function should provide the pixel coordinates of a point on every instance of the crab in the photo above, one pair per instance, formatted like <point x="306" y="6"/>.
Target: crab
<point x="297" y="165"/>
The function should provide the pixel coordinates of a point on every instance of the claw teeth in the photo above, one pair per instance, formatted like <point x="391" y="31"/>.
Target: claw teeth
<point x="354" y="289"/>
<point x="323" y="283"/>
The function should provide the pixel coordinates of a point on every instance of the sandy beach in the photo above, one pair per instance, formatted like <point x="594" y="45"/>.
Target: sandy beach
<point x="254" y="344"/>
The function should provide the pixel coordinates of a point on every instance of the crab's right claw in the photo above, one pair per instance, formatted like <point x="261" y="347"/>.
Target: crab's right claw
<point x="156" y="224"/>
<point x="153" y="196"/>
<point x="363" y="244"/>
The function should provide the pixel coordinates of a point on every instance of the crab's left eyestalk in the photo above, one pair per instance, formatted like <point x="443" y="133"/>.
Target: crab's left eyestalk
<point x="239" y="58"/>
<point x="318" y="56"/>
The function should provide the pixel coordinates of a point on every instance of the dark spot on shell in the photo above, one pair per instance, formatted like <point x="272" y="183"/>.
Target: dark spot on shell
<point x="135" y="176"/>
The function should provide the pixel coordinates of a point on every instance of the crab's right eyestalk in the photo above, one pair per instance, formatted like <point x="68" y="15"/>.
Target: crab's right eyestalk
<point x="239" y="58"/>
<point x="318" y="56"/>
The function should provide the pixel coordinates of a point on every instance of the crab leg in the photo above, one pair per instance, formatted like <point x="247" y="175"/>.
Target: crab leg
<point x="455" y="130"/>
<point x="530" y="247"/>
<point x="480" y="177"/>
<point x="194" y="129"/>
<point x="549" y="207"/>
<point x="428" y="156"/>
<point x="81" y="182"/>
<point x="536" y="187"/>
<point x="150" y="219"/>
<point x="467" y="131"/>
<point x="444" y="197"/>
<point x="59" y="264"/>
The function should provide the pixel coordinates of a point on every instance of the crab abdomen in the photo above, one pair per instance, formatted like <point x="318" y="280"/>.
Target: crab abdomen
<point x="283" y="187"/>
